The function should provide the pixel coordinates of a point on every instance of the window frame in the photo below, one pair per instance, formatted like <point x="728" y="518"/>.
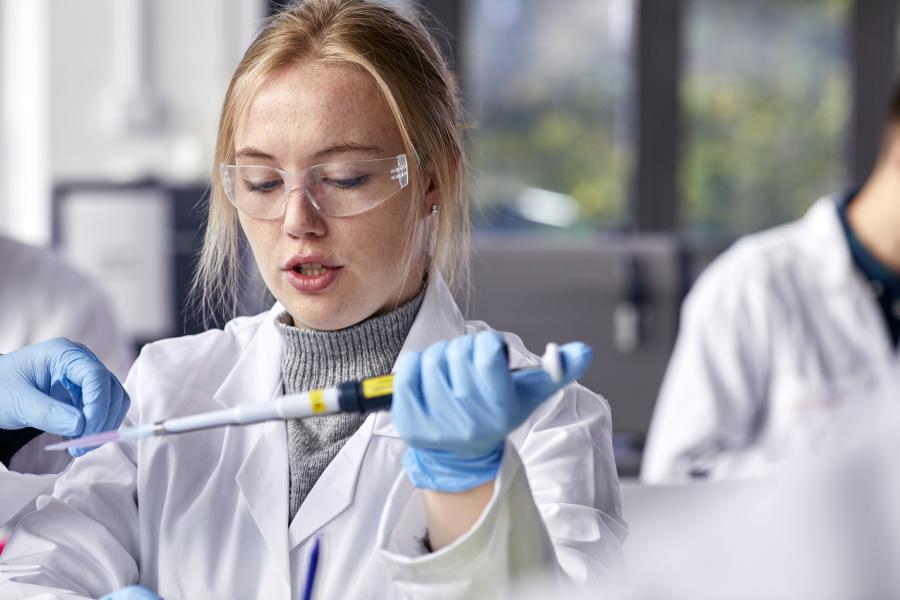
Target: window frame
<point x="653" y="201"/>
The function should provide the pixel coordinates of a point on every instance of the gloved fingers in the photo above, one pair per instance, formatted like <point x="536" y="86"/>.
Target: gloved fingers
<point x="533" y="386"/>
<point x="491" y="362"/>
<point x="408" y="408"/>
<point x="408" y="381"/>
<point x="96" y="395"/>
<point x="84" y="349"/>
<point x="96" y="407"/>
<point x="474" y="414"/>
<point x="95" y="385"/>
<point x="122" y="403"/>
<point x="132" y="592"/>
<point x="117" y="397"/>
<point x="118" y="409"/>
<point x="460" y="367"/>
<point x="58" y="354"/>
<point x="32" y="408"/>
<point x="436" y="388"/>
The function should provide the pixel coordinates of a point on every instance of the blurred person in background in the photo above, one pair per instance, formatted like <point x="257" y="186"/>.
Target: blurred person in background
<point x="781" y="329"/>
<point x="43" y="297"/>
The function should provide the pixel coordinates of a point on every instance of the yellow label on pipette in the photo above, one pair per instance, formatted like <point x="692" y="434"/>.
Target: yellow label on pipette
<point x="317" y="401"/>
<point x="378" y="386"/>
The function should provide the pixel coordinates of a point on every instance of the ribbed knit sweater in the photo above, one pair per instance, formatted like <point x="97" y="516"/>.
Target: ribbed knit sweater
<point x="315" y="359"/>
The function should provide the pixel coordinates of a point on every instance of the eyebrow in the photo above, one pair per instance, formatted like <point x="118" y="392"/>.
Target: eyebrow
<point x="251" y="152"/>
<point x="340" y="148"/>
<point x="347" y="147"/>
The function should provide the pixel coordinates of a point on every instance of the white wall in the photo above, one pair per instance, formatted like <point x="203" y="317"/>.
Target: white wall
<point x="75" y="80"/>
<point x="24" y="122"/>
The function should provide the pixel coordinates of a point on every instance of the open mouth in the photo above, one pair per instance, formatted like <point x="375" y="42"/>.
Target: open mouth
<point x="312" y="269"/>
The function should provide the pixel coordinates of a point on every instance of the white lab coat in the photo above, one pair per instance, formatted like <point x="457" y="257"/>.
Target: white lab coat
<point x="42" y="297"/>
<point x="776" y="333"/>
<point x="213" y="517"/>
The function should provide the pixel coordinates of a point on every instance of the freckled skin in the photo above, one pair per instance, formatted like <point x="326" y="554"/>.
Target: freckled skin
<point x="302" y="109"/>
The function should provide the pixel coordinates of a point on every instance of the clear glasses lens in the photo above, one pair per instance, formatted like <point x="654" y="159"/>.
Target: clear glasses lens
<point x="337" y="189"/>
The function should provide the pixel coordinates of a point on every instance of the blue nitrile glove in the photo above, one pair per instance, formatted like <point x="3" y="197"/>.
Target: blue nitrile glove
<point x="455" y="403"/>
<point x="60" y="387"/>
<point x="132" y="592"/>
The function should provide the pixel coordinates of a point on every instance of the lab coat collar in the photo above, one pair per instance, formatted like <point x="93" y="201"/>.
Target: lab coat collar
<point x="825" y="242"/>
<point x="439" y="319"/>
<point x="256" y="376"/>
<point x="826" y="245"/>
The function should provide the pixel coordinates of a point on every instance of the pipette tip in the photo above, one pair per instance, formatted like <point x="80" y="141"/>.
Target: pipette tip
<point x="104" y="437"/>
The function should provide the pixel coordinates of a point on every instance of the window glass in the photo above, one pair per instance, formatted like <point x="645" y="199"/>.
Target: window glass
<point x="547" y="90"/>
<point x="765" y="97"/>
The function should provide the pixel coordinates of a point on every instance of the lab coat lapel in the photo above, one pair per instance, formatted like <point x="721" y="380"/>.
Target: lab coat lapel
<point x="825" y="244"/>
<point x="262" y="478"/>
<point x="438" y="319"/>
<point x="846" y="288"/>
<point x="334" y="490"/>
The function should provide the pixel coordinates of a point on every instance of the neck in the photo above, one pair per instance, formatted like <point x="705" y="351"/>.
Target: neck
<point x="875" y="216"/>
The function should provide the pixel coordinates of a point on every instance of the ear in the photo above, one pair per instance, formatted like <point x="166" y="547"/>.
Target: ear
<point x="430" y="198"/>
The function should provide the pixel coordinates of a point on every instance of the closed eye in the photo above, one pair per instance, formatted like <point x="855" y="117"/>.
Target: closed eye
<point x="347" y="183"/>
<point x="263" y="186"/>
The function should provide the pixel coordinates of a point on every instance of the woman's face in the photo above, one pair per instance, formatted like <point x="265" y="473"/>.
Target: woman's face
<point x="309" y="113"/>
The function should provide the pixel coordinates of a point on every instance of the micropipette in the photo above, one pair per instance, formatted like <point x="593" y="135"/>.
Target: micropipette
<point x="365" y="395"/>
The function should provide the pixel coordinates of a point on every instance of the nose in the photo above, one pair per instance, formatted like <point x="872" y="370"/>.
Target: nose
<point x="301" y="217"/>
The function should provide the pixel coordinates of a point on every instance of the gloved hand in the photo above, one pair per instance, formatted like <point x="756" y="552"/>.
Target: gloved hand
<point x="60" y="387"/>
<point x="132" y="592"/>
<point x="455" y="403"/>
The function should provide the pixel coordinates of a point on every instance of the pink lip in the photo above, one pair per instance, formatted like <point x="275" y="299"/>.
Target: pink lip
<point x="319" y="283"/>
<point x="309" y="283"/>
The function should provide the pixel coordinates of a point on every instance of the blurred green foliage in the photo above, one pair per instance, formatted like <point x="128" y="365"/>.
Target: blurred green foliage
<point x="764" y="104"/>
<point x="566" y="147"/>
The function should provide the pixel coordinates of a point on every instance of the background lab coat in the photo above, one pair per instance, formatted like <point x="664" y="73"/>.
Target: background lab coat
<point x="42" y="297"/>
<point x="213" y="519"/>
<point x="776" y="333"/>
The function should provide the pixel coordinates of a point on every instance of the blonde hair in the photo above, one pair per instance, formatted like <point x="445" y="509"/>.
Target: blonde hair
<point x="421" y="93"/>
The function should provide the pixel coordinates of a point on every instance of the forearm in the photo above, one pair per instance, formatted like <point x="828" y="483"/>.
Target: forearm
<point x="451" y="515"/>
<point x="506" y="541"/>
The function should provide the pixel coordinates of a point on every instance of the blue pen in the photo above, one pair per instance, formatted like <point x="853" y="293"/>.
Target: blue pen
<point x="311" y="569"/>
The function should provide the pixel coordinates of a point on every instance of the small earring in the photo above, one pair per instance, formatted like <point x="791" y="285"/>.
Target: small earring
<point x="434" y="209"/>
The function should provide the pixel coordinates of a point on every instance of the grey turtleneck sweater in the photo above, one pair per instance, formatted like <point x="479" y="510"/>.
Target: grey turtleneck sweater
<point x="316" y="359"/>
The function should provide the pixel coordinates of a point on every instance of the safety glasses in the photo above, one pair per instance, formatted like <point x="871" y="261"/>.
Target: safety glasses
<point x="336" y="189"/>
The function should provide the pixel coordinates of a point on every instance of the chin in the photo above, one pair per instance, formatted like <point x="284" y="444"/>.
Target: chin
<point x="320" y="318"/>
<point x="303" y="318"/>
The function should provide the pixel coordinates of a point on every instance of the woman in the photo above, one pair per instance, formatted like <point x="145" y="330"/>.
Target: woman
<point x="340" y="158"/>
